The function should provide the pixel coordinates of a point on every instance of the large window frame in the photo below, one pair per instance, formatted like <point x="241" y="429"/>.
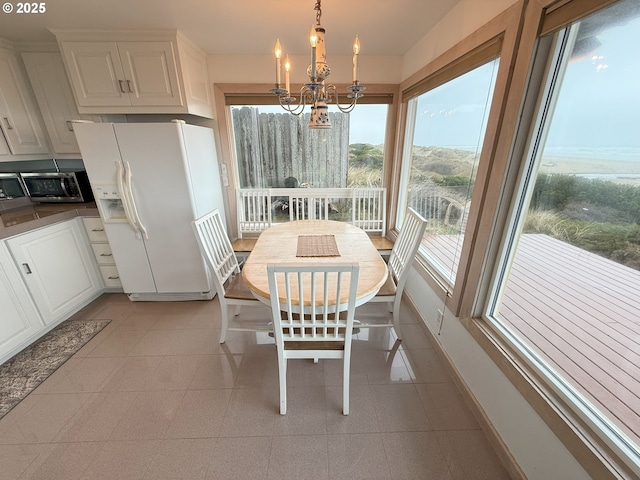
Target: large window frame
<point x="445" y="269"/>
<point x="487" y="251"/>
<point x="520" y="28"/>
<point x="491" y="41"/>
<point x="551" y="59"/>
<point x="226" y="95"/>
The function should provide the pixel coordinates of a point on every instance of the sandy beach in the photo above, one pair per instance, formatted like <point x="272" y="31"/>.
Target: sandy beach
<point x="590" y="166"/>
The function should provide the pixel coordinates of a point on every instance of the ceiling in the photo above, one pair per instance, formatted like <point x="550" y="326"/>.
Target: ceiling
<point x="236" y="27"/>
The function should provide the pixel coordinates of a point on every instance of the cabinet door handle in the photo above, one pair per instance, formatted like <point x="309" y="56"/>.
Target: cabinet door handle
<point x="27" y="269"/>
<point x="129" y="86"/>
<point x="7" y="123"/>
<point x="70" y="125"/>
<point x="113" y="278"/>
<point x="122" y="90"/>
<point x="106" y="254"/>
<point x="97" y="229"/>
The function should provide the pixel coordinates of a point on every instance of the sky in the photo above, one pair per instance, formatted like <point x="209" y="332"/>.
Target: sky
<point x="599" y="102"/>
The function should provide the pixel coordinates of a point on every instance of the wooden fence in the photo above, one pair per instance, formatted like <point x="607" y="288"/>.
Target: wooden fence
<point x="273" y="146"/>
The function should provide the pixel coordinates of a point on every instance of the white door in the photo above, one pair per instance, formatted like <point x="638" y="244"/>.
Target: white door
<point x="162" y="191"/>
<point x="130" y="256"/>
<point x="151" y="73"/>
<point x="96" y="74"/>
<point x="20" y="319"/>
<point x="4" y="148"/>
<point x="19" y="114"/>
<point x="58" y="267"/>
<point x="55" y="98"/>
<point x="100" y="153"/>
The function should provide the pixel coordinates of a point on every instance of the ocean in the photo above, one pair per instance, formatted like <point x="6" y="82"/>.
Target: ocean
<point x="597" y="153"/>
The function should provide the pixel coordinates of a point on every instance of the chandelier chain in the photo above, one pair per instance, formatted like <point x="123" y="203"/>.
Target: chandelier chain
<point x="318" y="9"/>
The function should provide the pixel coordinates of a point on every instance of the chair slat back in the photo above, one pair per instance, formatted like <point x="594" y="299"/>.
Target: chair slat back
<point x="406" y="246"/>
<point x="216" y="248"/>
<point x="308" y="206"/>
<point x="254" y="211"/>
<point x="307" y="301"/>
<point x="369" y="206"/>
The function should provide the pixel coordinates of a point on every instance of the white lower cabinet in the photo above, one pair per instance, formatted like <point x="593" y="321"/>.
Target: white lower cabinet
<point x="19" y="318"/>
<point x="58" y="267"/>
<point x="102" y="253"/>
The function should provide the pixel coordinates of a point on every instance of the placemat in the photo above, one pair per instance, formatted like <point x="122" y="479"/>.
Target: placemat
<point x="317" y="246"/>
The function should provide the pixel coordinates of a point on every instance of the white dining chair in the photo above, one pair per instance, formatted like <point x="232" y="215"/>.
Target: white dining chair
<point x="369" y="212"/>
<point x="254" y="216"/>
<point x="308" y="205"/>
<point x="401" y="258"/>
<point x="323" y="326"/>
<point x="232" y="291"/>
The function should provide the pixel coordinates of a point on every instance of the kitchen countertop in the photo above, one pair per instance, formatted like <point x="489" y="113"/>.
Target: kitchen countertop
<point x="23" y="219"/>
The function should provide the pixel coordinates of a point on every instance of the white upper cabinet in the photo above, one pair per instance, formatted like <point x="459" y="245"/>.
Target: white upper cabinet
<point x="19" y="116"/>
<point x="4" y="148"/>
<point x="123" y="74"/>
<point x="55" y="99"/>
<point x="118" y="73"/>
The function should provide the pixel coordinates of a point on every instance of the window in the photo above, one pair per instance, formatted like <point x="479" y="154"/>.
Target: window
<point x="445" y="131"/>
<point x="275" y="149"/>
<point x="567" y="295"/>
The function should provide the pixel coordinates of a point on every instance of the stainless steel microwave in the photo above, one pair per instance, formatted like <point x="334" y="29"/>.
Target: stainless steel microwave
<point x="58" y="186"/>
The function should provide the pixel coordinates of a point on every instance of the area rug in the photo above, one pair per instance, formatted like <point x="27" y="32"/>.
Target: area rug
<point x="26" y="370"/>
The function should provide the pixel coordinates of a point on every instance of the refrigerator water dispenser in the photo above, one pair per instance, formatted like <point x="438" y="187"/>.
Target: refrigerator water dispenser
<point x="109" y="203"/>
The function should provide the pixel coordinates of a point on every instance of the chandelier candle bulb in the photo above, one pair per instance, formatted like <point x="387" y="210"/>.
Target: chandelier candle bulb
<point x="278" y="50"/>
<point x="356" y="51"/>
<point x="314" y="41"/>
<point x="287" y="68"/>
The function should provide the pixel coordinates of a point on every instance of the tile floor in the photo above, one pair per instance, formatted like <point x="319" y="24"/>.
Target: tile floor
<point x="154" y="396"/>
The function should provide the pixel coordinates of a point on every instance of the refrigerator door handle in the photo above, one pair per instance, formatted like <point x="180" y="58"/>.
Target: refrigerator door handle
<point x="132" y="204"/>
<point x="124" y="199"/>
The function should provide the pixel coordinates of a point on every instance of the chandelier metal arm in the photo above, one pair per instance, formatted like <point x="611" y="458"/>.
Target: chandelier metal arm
<point x="287" y="101"/>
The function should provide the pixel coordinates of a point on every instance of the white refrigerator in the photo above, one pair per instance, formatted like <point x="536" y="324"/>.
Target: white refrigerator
<point x="150" y="181"/>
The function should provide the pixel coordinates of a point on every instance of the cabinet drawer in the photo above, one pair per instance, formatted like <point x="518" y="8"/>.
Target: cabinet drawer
<point x="110" y="276"/>
<point x="102" y="252"/>
<point x="95" y="229"/>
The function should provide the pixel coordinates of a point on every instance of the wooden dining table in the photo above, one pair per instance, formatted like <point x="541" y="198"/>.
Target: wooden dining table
<point x="315" y="242"/>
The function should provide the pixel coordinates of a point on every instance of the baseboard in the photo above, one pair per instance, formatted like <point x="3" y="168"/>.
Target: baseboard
<point x="170" y="297"/>
<point x="494" y="438"/>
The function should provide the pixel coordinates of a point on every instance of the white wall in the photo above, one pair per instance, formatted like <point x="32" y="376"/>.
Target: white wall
<point x="465" y="18"/>
<point x="261" y="68"/>
<point x="534" y="446"/>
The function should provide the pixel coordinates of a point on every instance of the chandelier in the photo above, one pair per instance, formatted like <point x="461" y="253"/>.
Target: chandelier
<point x="316" y="93"/>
